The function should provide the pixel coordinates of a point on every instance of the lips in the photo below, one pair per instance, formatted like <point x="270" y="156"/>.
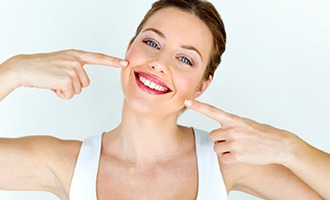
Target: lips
<point x="151" y="84"/>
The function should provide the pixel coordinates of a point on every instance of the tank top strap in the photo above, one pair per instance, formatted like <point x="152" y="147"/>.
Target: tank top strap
<point x="211" y="185"/>
<point x="83" y="184"/>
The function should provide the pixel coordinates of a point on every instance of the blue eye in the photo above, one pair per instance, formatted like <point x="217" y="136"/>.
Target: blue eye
<point x="151" y="43"/>
<point x="185" y="60"/>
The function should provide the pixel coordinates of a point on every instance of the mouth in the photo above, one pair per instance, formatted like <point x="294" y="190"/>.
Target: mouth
<point x="151" y="84"/>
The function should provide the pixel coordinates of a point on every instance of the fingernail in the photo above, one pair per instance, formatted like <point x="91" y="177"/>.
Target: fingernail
<point x="123" y="63"/>
<point x="188" y="103"/>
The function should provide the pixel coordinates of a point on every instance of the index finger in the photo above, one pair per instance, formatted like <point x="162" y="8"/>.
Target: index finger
<point x="100" y="59"/>
<point x="210" y="111"/>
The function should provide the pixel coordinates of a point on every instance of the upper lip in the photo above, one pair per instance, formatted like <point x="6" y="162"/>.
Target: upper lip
<point x="153" y="79"/>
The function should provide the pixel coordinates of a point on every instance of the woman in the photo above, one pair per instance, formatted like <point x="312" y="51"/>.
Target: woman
<point x="148" y="153"/>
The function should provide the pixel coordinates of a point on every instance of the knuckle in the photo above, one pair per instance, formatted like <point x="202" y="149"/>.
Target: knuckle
<point x="234" y="147"/>
<point x="213" y="110"/>
<point x="235" y="157"/>
<point x="212" y="134"/>
<point x="217" y="148"/>
<point x="231" y="146"/>
<point x="70" y="51"/>
<point x="65" y="83"/>
<point x="85" y="83"/>
<point x="233" y="118"/>
<point x="100" y="56"/>
<point x="77" y="89"/>
<point x="75" y="64"/>
<point x="231" y="133"/>
<point x="235" y="134"/>
<point x="69" y="96"/>
<point x="71" y="72"/>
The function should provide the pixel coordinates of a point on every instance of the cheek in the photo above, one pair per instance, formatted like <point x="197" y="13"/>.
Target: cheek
<point x="131" y="55"/>
<point x="186" y="86"/>
<point x="135" y="54"/>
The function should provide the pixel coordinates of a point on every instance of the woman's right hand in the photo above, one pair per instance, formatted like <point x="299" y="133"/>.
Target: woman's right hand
<point x="61" y="71"/>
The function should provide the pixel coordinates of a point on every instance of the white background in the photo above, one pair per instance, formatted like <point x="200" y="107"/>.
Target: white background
<point x="275" y="70"/>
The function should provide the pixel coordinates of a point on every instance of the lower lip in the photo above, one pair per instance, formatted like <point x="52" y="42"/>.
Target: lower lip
<point x="146" y="88"/>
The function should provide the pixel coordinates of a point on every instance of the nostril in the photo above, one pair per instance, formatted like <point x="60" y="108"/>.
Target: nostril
<point x="159" y="69"/>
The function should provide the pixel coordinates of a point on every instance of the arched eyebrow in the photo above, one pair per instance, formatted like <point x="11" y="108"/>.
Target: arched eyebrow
<point x="160" y="34"/>
<point x="156" y="31"/>
<point x="193" y="49"/>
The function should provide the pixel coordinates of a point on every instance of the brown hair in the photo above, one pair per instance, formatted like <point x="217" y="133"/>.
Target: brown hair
<point x="208" y="14"/>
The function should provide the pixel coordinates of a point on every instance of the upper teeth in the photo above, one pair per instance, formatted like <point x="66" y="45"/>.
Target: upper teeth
<point x="152" y="85"/>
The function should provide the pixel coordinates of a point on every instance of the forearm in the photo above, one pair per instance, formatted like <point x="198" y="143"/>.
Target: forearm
<point x="8" y="80"/>
<point x="312" y="166"/>
<point x="5" y="88"/>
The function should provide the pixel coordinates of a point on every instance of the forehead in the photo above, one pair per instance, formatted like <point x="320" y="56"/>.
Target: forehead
<point x="182" y="28"/>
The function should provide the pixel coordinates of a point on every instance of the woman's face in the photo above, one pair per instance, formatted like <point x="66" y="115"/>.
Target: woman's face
<point x="167" y="61"/>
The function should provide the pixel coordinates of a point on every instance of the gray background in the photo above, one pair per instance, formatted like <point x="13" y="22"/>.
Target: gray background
<point x="275" y="70"/>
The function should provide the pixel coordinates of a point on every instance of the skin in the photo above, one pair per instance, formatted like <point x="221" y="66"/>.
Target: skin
<point x="264" y="151"/>
<point x="148" y="147"/>
<point x="60" y="71"/>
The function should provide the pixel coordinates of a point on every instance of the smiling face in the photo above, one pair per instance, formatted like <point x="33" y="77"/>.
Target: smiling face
<point x="167" y="61"/>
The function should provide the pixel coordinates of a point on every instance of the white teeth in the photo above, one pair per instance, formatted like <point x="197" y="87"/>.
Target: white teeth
<point x="152" y="85"/>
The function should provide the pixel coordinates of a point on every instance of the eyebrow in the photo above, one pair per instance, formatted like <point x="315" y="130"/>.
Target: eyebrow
<point x="156" y="31"/>
<point x="183" y="46"/>
<point x="193" y="49"/>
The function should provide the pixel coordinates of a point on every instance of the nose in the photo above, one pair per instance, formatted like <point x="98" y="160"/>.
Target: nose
<point x="160" y="65"/>
<point x="158" y="68"/>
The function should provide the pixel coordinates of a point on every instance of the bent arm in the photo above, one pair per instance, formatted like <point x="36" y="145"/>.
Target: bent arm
<point x="38" y="163"/>
<point x="241" y="140"/>
<point x="61" y="71"/>
<point x="273" y="182"/>
<point x="312" y="166"/>
<point x="20" y="166"/>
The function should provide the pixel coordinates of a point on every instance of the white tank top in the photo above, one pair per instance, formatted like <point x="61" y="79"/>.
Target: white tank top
<point x="210" y="181"/>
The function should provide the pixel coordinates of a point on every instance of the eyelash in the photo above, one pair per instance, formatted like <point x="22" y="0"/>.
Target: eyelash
<point x="185" y="60"/>
<point x="153" y="44"/>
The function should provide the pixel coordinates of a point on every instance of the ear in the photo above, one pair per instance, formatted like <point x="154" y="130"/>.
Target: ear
<point x="203" y="86"/>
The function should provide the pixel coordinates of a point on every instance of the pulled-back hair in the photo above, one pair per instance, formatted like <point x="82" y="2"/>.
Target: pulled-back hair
<point x="208" y="14"/>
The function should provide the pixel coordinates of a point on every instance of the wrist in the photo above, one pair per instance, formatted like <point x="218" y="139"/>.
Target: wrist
<point x="296" y="150"/>
<point x="9" y="79"/>
<point x="9" y="75"/>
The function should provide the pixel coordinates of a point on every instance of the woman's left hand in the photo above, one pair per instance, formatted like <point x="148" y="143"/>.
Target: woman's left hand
<point x="241" y="140"/>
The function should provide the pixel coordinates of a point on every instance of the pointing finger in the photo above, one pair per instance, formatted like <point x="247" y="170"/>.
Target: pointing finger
<point x="100" y="59"/>
<point x="210" y="111"/>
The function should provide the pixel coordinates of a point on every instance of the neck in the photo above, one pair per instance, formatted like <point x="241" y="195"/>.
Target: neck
<point x="147" y="138"/>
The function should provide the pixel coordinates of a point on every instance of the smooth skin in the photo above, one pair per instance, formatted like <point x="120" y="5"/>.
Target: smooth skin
<point x="60" y="71"/>
<point x="166" y="160"/>
<point x="241" y="141"/>
<point x="41" y="162"/>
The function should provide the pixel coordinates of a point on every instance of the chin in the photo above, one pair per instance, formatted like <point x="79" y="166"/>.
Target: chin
<point x="149" y="107"/>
